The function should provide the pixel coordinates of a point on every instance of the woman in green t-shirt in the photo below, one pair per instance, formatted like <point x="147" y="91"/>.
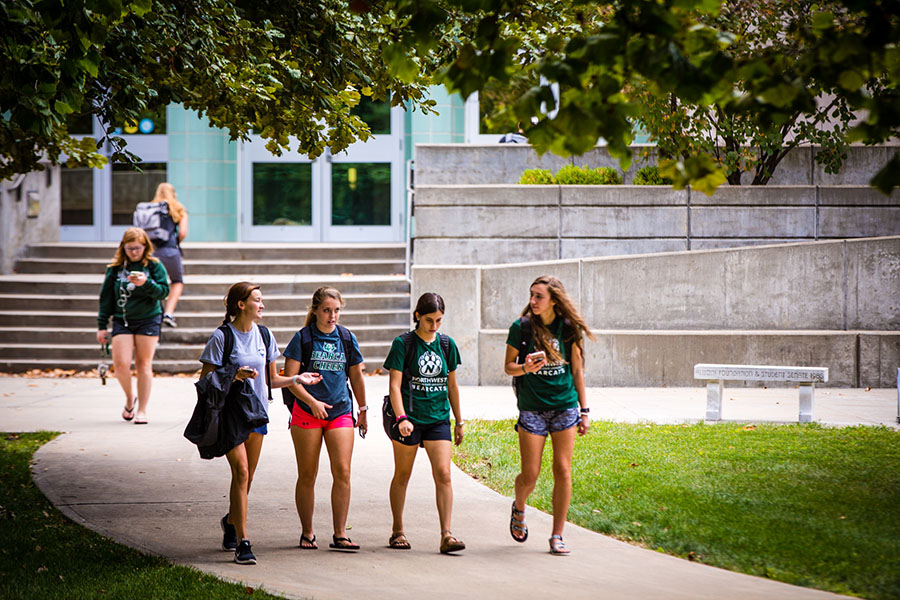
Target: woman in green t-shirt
<point x="551" y="399"/>
<point x="423" y="390"/>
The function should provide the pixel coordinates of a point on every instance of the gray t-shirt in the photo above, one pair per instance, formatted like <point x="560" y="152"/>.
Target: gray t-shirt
<point x="248" y="350"/>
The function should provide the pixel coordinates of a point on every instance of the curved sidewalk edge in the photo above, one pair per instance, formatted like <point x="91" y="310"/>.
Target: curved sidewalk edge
<point x="146" y="487"/>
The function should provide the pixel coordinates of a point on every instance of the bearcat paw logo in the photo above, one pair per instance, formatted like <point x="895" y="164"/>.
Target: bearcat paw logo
<point x="430" y="364"/>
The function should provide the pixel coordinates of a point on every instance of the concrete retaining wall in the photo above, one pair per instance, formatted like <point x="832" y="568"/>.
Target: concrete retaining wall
<point x="475" y="164"/>
<point x="496" y="224"/>
<point x="29" y="213"/>
<point x="834" y="304"/>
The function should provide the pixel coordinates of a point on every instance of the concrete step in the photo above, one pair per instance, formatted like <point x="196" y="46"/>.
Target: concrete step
<point x="159" y="366"/>
<point x="201" y="320"/>
<point x="247" y="268"/>
<point x="212" y="285"/>
<point x="373" y="352"/>
<point x="104" y="251"/>
<point x="199" y="303"/>
<point x="182" y="335"/>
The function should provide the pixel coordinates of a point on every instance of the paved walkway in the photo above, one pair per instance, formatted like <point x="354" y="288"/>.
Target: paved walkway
<point x="147" y="487"/>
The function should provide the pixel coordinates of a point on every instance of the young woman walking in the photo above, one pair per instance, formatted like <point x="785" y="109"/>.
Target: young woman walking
<point x="134" y="285"/>
<point x="243" y="309"/>
<point x="169" y="252"/>
<point x="423" y="391"/>
<point x="324" y="411"/>
<point x="545" y="353"/>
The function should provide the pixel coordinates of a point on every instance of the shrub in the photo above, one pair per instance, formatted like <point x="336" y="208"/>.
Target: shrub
<point x="572" y="175"/>
<point x="649" y="175"/>
<point x="537" y="177"/>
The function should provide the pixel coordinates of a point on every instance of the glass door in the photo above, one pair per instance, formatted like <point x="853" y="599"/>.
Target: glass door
<point x="97" y="204"/>
<point x="355" y="196"/>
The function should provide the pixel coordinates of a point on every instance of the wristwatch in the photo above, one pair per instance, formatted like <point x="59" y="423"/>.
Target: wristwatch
<point x="364" y="408"/>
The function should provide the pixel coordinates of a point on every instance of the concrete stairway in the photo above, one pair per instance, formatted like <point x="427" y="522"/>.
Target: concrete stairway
<point x="48" y="309"/>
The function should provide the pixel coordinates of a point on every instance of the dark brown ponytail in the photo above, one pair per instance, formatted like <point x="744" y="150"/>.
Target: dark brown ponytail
<point x="239" y="292"/>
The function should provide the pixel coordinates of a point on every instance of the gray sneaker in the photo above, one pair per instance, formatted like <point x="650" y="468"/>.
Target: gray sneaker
<point x="169" y="321"/>
<point x="243" y="555"/>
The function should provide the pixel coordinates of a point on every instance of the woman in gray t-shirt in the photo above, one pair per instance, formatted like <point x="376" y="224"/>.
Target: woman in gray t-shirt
<point x="243" y="308"/>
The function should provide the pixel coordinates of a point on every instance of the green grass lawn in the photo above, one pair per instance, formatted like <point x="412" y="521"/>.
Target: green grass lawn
<point x="44" y="555"/>
<point x="803" y="504"/>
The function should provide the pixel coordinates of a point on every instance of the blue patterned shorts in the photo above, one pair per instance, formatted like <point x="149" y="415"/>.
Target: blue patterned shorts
<point x="543" y="422"/>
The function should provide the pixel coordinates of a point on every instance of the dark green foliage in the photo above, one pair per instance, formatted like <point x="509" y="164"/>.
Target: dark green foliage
<point x="537" y="177"/>
<point x="574" y="175"/>
<point x="649" y="175"/>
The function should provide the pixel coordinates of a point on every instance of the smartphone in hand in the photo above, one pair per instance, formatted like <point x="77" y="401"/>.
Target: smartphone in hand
<point x="536" y="356"/>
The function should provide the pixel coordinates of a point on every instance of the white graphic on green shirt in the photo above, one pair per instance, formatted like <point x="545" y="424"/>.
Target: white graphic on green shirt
<point x="553" y="369"/>
<point x="430" y="368"/>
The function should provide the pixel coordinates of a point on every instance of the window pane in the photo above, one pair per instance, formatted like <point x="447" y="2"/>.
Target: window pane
<point x="77" y="196"/>
<point x="361" y="194"/>
<point x="130" y="187"/>
<point x="282" y="194"/>
<point x="376" y="114"/>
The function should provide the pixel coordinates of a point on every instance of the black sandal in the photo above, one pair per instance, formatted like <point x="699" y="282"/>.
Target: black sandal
<point x="311" y="542"/>
<point x="343" y="543"/>
<point x="517" y="524"/>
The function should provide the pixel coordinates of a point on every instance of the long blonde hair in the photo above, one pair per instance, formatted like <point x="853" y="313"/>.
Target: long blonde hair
<point x="318" y="297"/>
<point x="165" y="192"/>
<point x="133" y="234"/>
<point x="564" y="307"/>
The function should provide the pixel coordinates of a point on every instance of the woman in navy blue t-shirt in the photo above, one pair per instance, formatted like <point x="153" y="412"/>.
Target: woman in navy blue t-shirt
<point x="325" y="411"/>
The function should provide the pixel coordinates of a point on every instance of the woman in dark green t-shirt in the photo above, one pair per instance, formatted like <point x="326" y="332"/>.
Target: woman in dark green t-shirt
<point x="420" y="414"/>
<point x="550" y="391"/>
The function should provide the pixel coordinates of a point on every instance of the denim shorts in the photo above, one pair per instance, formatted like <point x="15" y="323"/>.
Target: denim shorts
<point x="148" y="327"/>
<point x="543" y="422"/>
<point x="262" y="429"/>
<point x="422" y="433"/>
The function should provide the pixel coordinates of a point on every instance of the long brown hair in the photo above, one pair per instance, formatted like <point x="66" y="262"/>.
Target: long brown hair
<point x="318" y="297"/>
<point x="239" y="292"/>
<point x="563" y="307"/>
<point x="165" y="192"/>
<point x="133" y="234"/>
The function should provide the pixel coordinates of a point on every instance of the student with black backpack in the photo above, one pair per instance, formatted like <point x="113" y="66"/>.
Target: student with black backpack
<point x="241" y="341"/>
<point x="423" y="391"/>
<point x="324" y="411"/>
<point x="545" y="355"/>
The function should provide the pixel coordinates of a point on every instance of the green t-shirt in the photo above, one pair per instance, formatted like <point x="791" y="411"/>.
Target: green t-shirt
<point x="551" y="388"/>
<point x="430" y="370"/>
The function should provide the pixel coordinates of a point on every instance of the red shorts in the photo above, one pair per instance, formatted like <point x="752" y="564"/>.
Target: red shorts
<point x="302" y="419"/>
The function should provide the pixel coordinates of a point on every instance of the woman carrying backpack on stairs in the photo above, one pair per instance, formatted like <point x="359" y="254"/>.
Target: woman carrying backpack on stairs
<point x="545" y="355"/>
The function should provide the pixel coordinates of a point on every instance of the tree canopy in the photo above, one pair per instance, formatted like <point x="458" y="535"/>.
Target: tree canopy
<point x="296" y="68"/>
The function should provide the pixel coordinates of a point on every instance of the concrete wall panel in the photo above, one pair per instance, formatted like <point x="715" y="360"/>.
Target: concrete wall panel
<point x="732" y="243"/>
<point x="487" y="195"/>
<point x="440" y="164"/>
<point x="627" y="221"/>
<point x="475" y="251"/>
<point x="756" y="195"/>
<point x="873" y="284"/>
<point x="622" y="195"/>
<point x="856" y="196"/>
<point x="664" y="291"/>
<point x="487" y="222"/>
<point x="504" y="290"/>
<point x="847" y="222"/>
<point x="879" y="359"/>
<point x="594" y="247"/>
<point x="861" y="164"/>
<point x="784" y="222"/>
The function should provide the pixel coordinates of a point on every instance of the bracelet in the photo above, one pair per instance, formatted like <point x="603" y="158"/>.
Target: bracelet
<point x="524" y="372"/>
<point x="364" y="408"/>
<point x="460" y="423"/>
<point x="585" y="410"/>
<point x="402" y="418"/>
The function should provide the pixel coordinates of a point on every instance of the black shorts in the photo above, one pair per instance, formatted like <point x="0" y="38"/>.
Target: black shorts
<point x="149" y="326"/>
<point x="422" y="433"/>
<point x="170" y="257"/>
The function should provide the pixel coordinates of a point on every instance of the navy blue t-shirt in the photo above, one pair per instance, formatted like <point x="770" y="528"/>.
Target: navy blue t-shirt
<point x="328" y="360"/>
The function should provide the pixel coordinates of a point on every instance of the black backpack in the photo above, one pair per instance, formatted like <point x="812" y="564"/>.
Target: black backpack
<point x="568" y="332"/>
<point x="306" y="345"/>
<point x="386" y="408"/>
<point x="154" y="218"/>
<point x="228" y="346"/>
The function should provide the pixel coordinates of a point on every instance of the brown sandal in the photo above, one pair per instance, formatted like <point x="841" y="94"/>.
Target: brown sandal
<point x="451" y="544"/>
<point x="398" y="541"/>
